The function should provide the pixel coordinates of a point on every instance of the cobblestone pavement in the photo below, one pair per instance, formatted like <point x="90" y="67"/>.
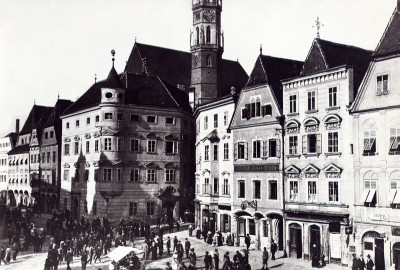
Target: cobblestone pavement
<point x="36" y="261"/>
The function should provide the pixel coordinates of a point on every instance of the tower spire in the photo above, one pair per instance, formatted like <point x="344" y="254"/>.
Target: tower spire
<point x="260" y="48"/>
<point x="113" y="57"/>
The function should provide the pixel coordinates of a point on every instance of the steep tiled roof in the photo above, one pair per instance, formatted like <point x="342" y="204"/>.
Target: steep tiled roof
<point x="36" y="119"/>
<point x="19" y="149"/>
<point x="59" y="108"/>
<point x="326" y="54"/>
<point x="390" y="41"/>
<point x="272" y="70"/>
<point x="175" y="67"/>
<point x="13" y="137"/>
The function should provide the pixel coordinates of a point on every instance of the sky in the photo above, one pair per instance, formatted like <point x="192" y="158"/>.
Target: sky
<point x="54" y="47"/>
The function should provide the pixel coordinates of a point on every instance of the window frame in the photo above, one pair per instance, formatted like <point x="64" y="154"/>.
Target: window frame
<point x="169" y="175"/>
<point x="256" y="190"/>
<point x="240" y="190"/>
<point x="333" y="97"/>
<point x="333" y="191"/>
<point x="312" y="100"/>
<point x="151" y="146"/>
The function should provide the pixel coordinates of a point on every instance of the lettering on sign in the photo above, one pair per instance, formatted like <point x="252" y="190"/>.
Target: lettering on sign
<point x="257" y="168"/>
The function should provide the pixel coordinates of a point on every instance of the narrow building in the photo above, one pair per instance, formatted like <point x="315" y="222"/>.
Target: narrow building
<point x="257" y="187"/>
<point x="376" y="111"/>
<point x="6" y="144"/>
<point x="318" y="173"/>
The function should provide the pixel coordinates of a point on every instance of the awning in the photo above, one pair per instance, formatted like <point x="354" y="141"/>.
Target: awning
<point x="364" y="195"/>
<point x="121" y="252"/>
<point x="371" y="195"/>
<point x="396" y="199"/>
<point x="391" y="195"/>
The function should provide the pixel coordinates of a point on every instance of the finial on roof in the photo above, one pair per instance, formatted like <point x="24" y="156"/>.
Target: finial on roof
<point x="260" y="48"/>
<point x="58" y="95"/>
<point x="95" y="78"/>
<point x="113" y="56"/>
<point x="135" y="39"/>
<point x="318" y="25"/>
<point x="34" y="101"/>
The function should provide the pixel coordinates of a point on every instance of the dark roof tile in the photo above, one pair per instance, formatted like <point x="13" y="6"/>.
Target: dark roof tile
<point x="390" y="41"/>
<point x="36" y="118"/>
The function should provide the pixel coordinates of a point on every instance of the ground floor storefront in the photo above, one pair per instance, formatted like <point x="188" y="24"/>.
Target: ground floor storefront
<point x="322" y="236"/>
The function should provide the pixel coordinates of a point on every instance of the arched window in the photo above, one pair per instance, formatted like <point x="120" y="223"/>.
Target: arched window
<point x="368" y="197"/>
<point x="394" y="191"/>
<point x="208" y="61"/>
<point x="197" y="36"/>
<point x="208" y="34"/>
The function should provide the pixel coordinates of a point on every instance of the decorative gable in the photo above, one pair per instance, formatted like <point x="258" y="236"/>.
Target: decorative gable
<point x="332" y="171"/>
<point x="332" y="121"/>
<point x="151" y="165"/>
<point x="311" y="124"/>
<point x="311" y="171"/>
<point x="292" y="171"/>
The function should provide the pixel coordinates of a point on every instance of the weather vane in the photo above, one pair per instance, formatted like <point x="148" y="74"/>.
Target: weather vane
<point x="113" y="56"/>
<point x="318" y="25"/>
<point x="95" y="78"/>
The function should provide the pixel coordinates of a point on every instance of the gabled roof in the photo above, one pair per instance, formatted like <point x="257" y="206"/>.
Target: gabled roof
<point x="36" y="118"/>
<point x="390" y="41"/>
<point x="19" y="149"/>
<point x="59" y="108"/>
<point x="13" y="138"/>
<point x="175" y="67"/>
<point x="272" y="70"/>
<point x="325" y="55"/>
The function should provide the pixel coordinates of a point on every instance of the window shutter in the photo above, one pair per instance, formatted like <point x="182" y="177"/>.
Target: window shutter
<point x="235" y="150"/>
<point x="176" y="147"/>
<point x="278" y="148"/>
<point x="247" y="106"/>
<point x="319" y="143"/>
<point x="268" y="109"/>
<point x="245" y="150"/>
<point x="393" y="143"/>
<point x="265" y="149"/>
<point x="304" y="144"/>
<point x="264" y="110"/>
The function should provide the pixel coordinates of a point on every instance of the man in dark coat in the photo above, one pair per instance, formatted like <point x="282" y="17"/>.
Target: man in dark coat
<point x="207" y="261"/>
<point x="274" y="247"/>
<point x="84" y="259"/>
<point x="187" y="248"/>
<point x="247" y="241"/>
<point x="168" y="246"/>
<point x="355" y="263"/>
<point x="216" y="259"/>
<point x="370" y="264"/>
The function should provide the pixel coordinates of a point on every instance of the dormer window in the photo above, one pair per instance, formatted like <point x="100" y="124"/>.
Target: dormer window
<point x="382" y="84"/>
<point x="151" y="119"/>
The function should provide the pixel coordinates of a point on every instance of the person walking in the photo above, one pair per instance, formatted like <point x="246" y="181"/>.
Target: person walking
<point x="168" y="244"/>
<point x="190" y="230"/>
<point x="187" y="247"/>
<point x="355" y="262"/>
<point x="168" y="266"/>
<point x="265" y="259"/>
<point x="2" y="255"/>
<point x="274" y="247"/>
<point x="84" y="260"/>
<point x="370" y="264"/>
<point x="207" y="261"/>
<point x="216" y="259"/>
<point x="175" y="242"/>
<point x="192" y="257"/>
<point x="247" y="241"/>
<point x="68" y="258"/>
<point x="226" y="265"/>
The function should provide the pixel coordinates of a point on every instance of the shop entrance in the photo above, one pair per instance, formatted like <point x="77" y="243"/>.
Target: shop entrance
<point x="379" y="254"/>
<point x="295" y="241"/>
<point x="213" y="222"/>
<point x="373" y="245"/>
<point x="396" y="256"/>
<point x="315" y="241"/>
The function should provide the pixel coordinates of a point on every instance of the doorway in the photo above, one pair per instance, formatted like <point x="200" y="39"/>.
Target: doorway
<point x="315" y="241"/>
<point x="241" y="226"/>
<point x="379" y="254"/>
<point x="213" y="222"/>
<point x="396" y="256"/>
<point x="295" y="241"/>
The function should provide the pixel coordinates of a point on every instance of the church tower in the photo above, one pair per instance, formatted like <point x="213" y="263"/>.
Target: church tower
<point x="206" y="46"/>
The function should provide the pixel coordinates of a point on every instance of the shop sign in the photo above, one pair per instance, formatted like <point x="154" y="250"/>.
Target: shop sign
<point x="380" y="216"/>
<point x="396" y="231"/>
<point x="257" y="168"/>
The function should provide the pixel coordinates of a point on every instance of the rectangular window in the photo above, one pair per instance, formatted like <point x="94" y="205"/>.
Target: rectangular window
<point x="134" y="175"/>
<point x="312" y="191"/>
<point x="293" y="104"/>
<point x="151" y="119"/>
<point x="66" y="149"/>
<point x="265" y="228"/>
<point x="333" y="191"/>
<point x="96" y="175"/>
<point x="206" y="152"/>
<point x="120" y="144"/>
<point x="245" y="112"/>
<point x="171" y="147"/>
<point x="242" y="150"/>
<point x="88" y="121"/>
<point x="46" y="135"/>
<point x="87" y="146"/>
<point x="96" y="146"/>
<point x="273" y="190"/>
<point x="151" y="175"/>
<point x="51" y="134"/>
<point x="108" y="116"/>
<point x="106" y="174"/>
<point x="120" y="116"/>
<point x="215" y="120"/>
<point x="76" y="148"/>
<point x="134" y="145"/>
<point x="66" y="175"/>
<point x="77" y="123"/>
<point x="369" y="142"/>
<point x="67" y="125"/>
<point x="151" y="146"/>
<point x="169" y="175"/>
<point x="382" y="84"/>
<point x="252" y="227"/>
<point x="132" y="209"/>
<point x="312" y="143"/>
<point x="272" y="148"/>
<point x="119" y="174"/>
<point x="135" y="118"/>
<point x="241" y="189"/>
<point x="332" y="96"/>
<point x="394" y="141"/>
<point x="150" y="208"/>
<point x="226" y="187"/>
<point x="215" y="152"/>
<point x="255" y="106"/>
<point x="293" y="145"/>
<point x="97" y="118"/>
<point x="226" y="151"/>
<point x="333" y="142"/>
<point x="256" y="189"/>
<point x="107" y="144"/>
<point x="225" y="118"/>
<point x="257" y="149"/>
<point x="169" y="120"/>
<point x="205" y="122"/>
<point x="216" y="186"/>
<point x="311" y="101"/>
<point x="86" y="175"/>
<point x="54" y="156"/>
<point x="293" y="190"/>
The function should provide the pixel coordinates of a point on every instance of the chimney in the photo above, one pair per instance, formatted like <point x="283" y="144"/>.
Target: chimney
<point x="17" y="126"/>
